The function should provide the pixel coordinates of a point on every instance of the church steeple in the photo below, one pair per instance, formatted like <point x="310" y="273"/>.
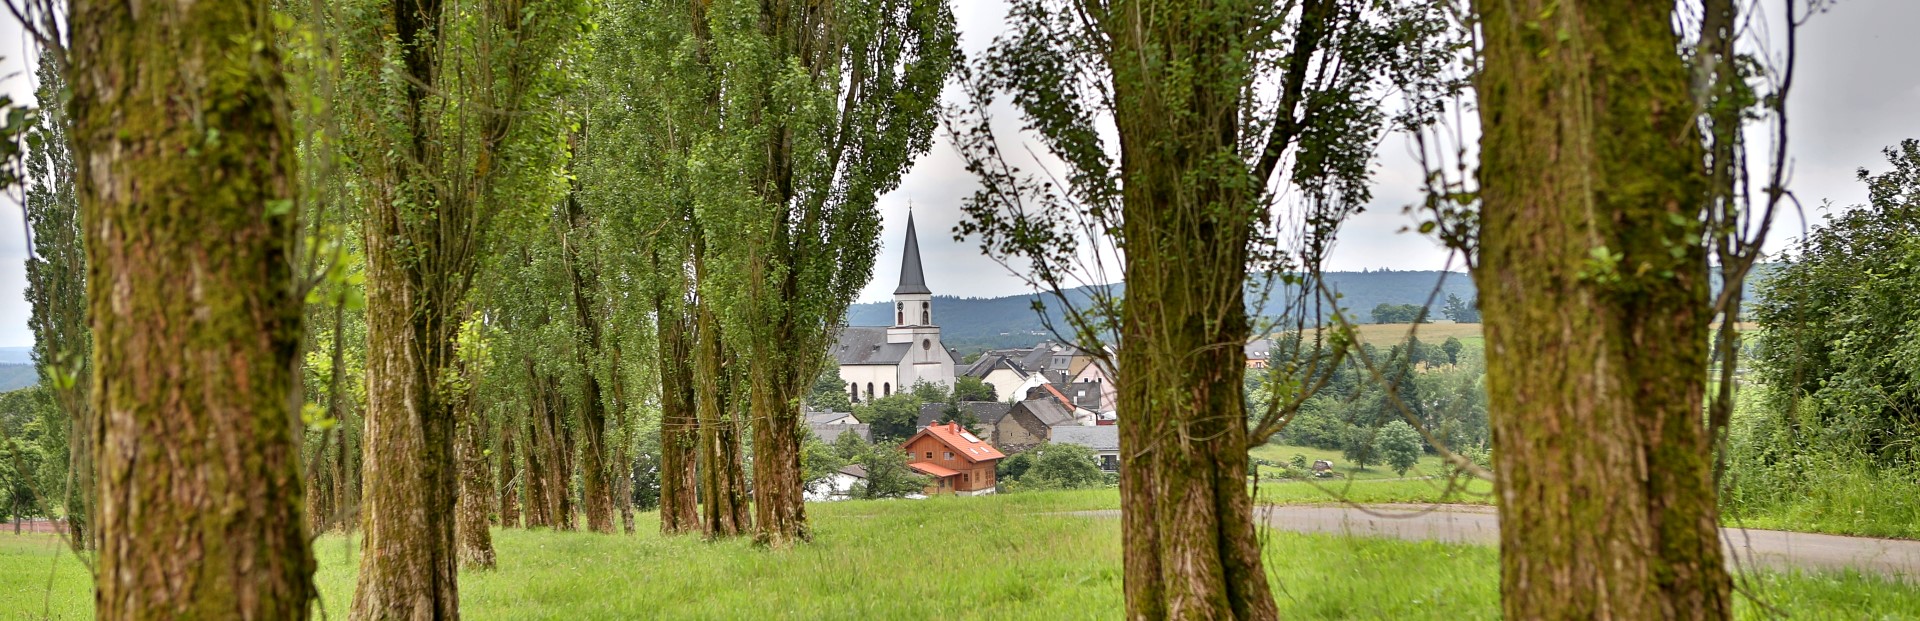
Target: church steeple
<point x="912" y="279"/>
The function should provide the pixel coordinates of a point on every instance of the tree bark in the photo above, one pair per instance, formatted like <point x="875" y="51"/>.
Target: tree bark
<point x="779" y="502"/>
<point x="509" y="496"/>
<point x="1189" y="546"/>
<point x="187" y="190"/>
<point x="539" y="502"/>
<point x="723" y="486"/>
<point x="679" y="425"/>
<point x="1594" y="290"/>
<point x="594" y="486"/>
<point x="475" y="506"/>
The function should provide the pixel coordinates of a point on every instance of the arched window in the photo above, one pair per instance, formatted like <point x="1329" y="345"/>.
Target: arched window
<point x="926" y="313"/>
<point x="886" y="389"/>
<point x="869" y="390"/>
<point x="899" y="313"/>
<point x="853" y="390"/>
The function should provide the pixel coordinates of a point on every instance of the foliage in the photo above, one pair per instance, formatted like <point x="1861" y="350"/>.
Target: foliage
<point x="1400" y="313"/>
<point x="1840" y="335"/>
<point x="1061" y="466"/>
<point x="1359" y="446"/>
<point x="1399" y="445"/>
<point x="894" y="418"/>
<point x="1459" y="311"/>
<point x="969" y="388"/>
<point x="827" y="392"/>
<point x="819" y="460"/>
<point x="887" y="474"/>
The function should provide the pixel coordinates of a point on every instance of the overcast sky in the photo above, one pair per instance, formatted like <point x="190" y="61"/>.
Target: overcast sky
<point x="1856" y="92"/>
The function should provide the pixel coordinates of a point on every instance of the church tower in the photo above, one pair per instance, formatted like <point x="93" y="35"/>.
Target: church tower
<point x="913" y="322"/>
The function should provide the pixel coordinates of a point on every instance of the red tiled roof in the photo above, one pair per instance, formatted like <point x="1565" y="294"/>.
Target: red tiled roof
<point x="956" y="437"/>
<point x="929" y="468"/>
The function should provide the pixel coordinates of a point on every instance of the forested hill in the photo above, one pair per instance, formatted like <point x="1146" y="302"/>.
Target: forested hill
<point x="974" y="324"/>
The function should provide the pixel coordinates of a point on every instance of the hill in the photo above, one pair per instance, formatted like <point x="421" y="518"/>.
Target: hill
<point x="17" y="376"/>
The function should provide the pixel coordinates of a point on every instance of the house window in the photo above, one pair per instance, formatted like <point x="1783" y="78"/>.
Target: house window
<point x="949" y="455"/>
<point x="1109" y="463"/>
<point x="929" y="454"/>
<point x="886" y="389"/>
<point x="968" y="477"/>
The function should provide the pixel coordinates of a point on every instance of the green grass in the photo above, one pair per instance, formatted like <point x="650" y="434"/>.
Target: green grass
<point x="1429" y="465"/>
<point x="1014" y="556"/>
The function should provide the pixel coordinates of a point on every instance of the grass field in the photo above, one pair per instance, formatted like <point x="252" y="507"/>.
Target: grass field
<point x="1014" y="556"/>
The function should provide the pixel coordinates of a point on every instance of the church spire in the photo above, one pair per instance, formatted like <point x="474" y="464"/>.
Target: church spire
<point x="912" y="279"/>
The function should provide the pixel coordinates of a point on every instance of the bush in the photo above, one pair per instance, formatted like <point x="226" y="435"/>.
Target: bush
<point x="1399" y="445"/>
<point x="1061" y="466"/>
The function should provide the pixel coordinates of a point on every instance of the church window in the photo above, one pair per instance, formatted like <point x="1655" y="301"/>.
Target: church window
<point x="899" y="313"/>
<point x="926" y="313"/>
<point x="926" y="343"/>
<point x="886" y="389"/>
<point x="854" y="389"/>
<point x="869" y="390"/>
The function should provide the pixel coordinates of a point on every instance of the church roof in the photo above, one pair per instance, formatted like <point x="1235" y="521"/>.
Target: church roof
<point x="912" y="278"/>
<point x="868" y="345"/>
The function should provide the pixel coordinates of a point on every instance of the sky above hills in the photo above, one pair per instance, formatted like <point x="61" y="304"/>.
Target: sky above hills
<point x="1856" y="93"/>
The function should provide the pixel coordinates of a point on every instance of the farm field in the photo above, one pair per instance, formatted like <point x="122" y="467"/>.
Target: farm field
<point x="1028" y="559"/>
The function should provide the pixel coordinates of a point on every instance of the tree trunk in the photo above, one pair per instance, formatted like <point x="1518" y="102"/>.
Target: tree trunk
<point x="1594" y="291"/>
<point x="1188" y="539"/>
<point x="509" y="496"/>
<point x="187" y="193"/>
<point x="539" y="502"/>
<point x="723" y="486"/>
<point x="594" y="487"/>
<point x="679" y="425"/>
<point x="475" y="505"/>
<point x="778" y="495"/>
<point x="563" y="452"/>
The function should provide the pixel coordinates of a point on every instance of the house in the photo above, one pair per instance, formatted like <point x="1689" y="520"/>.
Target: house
<point x="878" y="361"/>
<point x="1031" y="422"/>
<point x="1096" y="381"/>
<point x="959" y="462"/>
<point x="836" y="486"/>
<point x="1001" y="370"/>
<point x="987" y="412"/>
<point x="1103" y="440"/>
<point x="1012" y="372"/>
<point x="823" y="417"/>
<point x="830" y="433"/>
<point x="1258" y="353"/>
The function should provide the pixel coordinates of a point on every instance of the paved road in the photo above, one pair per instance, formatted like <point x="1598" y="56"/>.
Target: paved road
<point x="1478" y="524"/>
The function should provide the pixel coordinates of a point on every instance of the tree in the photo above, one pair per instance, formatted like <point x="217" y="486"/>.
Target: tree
<point x="1399" y="313"/>
<point x="1594" y="284"/>
<point x="1062" y="466"/>
<point x="1838" y="330"/>
<point x="888" y="475"/>
<point x="968" y="388"/>
<point x="459" y="123"/>
<point x="1359" y="447"/>
<point x="823" y="110"/>
<point x="1399" y="444"/>
<point x="893" y="418"/>
<point x="819" y="460"/>
<point x="1461" y="312"/>
<point x="1190" y="203"/>
<point x="57" y="291"/>
<point x="187" y="203"/>
<point x="1452" y="347"/>
<point x="827" y="392"/>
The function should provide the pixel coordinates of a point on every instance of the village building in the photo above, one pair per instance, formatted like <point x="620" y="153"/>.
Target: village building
<point x="1103" y="440"/>
<point x="1014" y="372"/>
<point x="1030" y="423"/>
<point x="958" y="461"/>
<point x="836" y="486"/>
<point x="1093" y="389"/>
<point x="878" y="361"/>
<point x="988" y="413"/>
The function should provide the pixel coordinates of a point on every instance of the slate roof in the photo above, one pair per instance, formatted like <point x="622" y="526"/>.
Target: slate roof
<point x="855" y="470"/>
<point x="868" y="345"/>
<point x="988" y="412"/>
<point x="1050" y="411"/>
<point x="1098" y="438"/>
<point x="829" y="433"/>
<point x="815" y="417"/>
<point x="912" y="279"/>
<point x="991" y="360"/>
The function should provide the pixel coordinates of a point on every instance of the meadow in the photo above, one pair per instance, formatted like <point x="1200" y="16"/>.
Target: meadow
<point x="1013" y="556"/>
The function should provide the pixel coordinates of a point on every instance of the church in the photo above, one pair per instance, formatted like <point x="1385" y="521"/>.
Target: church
<point x="878" y="361"/>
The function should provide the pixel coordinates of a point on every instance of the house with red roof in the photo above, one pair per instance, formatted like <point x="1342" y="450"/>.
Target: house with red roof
<point x="959" y="462"/>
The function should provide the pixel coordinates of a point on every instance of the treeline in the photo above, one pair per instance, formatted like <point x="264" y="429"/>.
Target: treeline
<point x="410" y="268"/>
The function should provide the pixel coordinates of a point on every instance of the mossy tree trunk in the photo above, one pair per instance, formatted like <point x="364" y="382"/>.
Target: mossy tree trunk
<point x="509" y="494"/>
<point x="723" y="485"/>
<point x="679" y="424"/>
<point x="1594" y="286"/>
<point x="181" y="121"/>
<point x="1189" y="545"/>
<point x="583" y="284"/>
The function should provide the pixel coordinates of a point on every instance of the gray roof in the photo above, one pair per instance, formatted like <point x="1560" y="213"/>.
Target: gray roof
<point x="929" y="414"/>
<point x="855" y="470"/>
<point x="1098" y="438"/>
<point x="868" y="345"/>
<point x="987" y="412"/>
<point x="988" y="362"/>
<point x="912" y="279"/>
<point x="823" y="416"/>
<point x="1259" y="349"/>
<point x="1049" y="410"/>
<point x="829" y="433"/>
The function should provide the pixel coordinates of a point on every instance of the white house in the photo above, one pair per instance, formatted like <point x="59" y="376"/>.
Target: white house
<point x="836" y="486"/>
<point x="1095" y="378"/>
<point x="877" y="361"/>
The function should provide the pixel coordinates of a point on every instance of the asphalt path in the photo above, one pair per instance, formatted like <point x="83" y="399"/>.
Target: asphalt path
<point x="1775" y="549"/>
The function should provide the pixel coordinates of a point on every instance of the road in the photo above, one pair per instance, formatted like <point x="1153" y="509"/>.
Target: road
<point x="1478" y="524"/>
